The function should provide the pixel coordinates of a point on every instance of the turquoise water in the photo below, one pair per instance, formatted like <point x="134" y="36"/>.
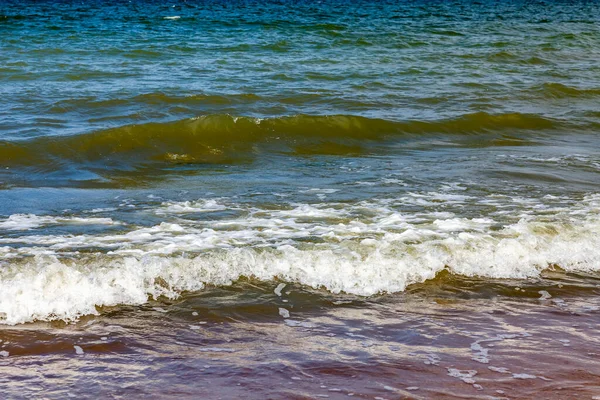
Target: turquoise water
<point x="155" y="155"/>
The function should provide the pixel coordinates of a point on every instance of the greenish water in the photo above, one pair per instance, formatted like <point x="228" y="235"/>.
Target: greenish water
<point x="160" y="154"/>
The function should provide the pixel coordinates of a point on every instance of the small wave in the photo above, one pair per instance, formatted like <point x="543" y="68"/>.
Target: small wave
<point x="560" y="91"/>
<point x="446" y="32"/>
<point x="205" y="99"/>
<point x="153" y="98"/>
<point x="50" y="277"/>
<point x="224" y="138"/>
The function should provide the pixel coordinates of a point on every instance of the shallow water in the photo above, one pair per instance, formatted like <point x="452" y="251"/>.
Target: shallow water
<point x="423" y="177"/>
<point x="449" y="338"/>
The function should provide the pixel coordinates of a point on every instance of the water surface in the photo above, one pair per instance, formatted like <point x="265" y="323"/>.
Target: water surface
<point x="423" y="178"/>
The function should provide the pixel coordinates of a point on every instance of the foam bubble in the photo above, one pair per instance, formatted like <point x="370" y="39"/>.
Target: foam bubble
<point x="363" y="248"/>
<point x="284" y="313"/>
<point x="464" y="375"/>
<point x="523" y="376"/>
<point x="22" y="222"/>
<point x="199" y="206"/>
<point x="501" y="370"/>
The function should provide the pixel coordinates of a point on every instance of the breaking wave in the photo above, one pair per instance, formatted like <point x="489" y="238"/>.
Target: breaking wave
<point x="325" y="246"/>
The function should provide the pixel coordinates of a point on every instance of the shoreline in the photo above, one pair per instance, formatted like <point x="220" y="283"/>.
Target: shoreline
<point x="439" y="340"/>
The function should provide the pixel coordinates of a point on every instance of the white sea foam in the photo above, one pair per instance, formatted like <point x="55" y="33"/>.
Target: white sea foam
<point x="216" y="350"/>
<point x="566" y="160"/>
<point x="501" y="370"/>
<point x="341" y="248"/>
<point x="302" y="324"/>
<point x="191" y="207"/>
<point x="22" y="222"/>
<point x="464" y="375"/>
<point x="524" y="376"/>
<point x="545" y="295"/>
<point x="279" y="288"/>
<point x="284" y="313"/>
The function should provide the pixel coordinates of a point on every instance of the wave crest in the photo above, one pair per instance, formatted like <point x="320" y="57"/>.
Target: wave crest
<point x="385" y="255"/>
<point x="224" y="138"/>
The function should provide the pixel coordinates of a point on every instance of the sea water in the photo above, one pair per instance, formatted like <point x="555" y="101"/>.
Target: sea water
<point x="389" y="162"/>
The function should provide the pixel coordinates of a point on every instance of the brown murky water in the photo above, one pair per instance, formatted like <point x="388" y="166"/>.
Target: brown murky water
<point x="445" y="339"/>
